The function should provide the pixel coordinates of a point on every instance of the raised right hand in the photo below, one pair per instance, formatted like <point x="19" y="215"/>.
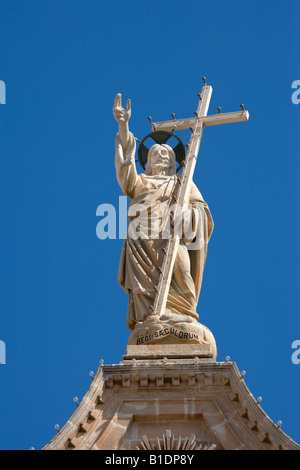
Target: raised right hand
<point x="121" y="115"/>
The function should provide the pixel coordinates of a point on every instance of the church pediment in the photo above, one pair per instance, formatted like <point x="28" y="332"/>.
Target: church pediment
<point x="170" y="404"/>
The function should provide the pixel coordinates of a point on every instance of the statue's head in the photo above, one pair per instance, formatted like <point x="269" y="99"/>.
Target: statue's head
<point x="161" y="160"/>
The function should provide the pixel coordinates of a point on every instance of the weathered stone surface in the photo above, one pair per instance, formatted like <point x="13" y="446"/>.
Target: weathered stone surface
<point x="162" y="262"/>
<point x="184" y="351"/>
<point x="155" y="331"/>
<point x="200" y="402"/>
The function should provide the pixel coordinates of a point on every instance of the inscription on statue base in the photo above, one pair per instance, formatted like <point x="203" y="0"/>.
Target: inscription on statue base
<point x="168" y="332"/>
<point x="155" y="338"/>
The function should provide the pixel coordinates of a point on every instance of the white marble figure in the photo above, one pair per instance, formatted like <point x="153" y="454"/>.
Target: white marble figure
<point x="142" y="256"/>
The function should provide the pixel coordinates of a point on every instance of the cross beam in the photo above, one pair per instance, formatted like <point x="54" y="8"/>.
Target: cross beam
<point x="196" y="125"/>
<point x="213" y="120"/>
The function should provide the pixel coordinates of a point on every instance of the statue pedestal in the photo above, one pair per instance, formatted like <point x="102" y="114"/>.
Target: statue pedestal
<point x="156" y="338"/>
<point x="170" y="351"/>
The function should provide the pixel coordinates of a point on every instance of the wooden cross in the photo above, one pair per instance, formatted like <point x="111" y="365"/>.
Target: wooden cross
<point x="196" y="124"/>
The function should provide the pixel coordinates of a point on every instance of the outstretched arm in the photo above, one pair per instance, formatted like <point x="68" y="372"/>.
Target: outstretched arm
<point x="125" y="149"/>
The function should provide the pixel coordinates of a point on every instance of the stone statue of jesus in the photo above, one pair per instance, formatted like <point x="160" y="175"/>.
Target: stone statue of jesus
<point x="142" y="255"/>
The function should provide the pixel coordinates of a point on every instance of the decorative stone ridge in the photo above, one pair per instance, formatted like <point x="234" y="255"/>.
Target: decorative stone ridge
<point x="130" y="405"/>
<point x="169" y="442"/>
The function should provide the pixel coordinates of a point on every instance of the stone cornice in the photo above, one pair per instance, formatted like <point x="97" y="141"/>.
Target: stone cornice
<point x="119" y="391"/>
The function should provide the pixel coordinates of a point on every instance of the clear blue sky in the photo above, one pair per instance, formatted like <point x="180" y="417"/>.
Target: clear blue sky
<point x="61" y="307"/>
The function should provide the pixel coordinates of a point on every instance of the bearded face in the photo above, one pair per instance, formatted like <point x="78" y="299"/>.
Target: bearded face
<point x="161" y="160"/>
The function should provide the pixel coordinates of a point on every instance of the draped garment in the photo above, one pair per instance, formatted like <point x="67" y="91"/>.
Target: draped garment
<point x="142" y="252"/>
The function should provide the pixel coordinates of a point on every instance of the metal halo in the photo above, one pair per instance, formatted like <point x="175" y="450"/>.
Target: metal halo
<point x="161" y="137"/>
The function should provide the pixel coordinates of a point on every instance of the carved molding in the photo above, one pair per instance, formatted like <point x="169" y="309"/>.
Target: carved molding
<point x="98" y="423"/>
<point x="169" y="442"/>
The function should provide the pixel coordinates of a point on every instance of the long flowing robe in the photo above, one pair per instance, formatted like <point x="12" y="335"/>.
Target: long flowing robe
<point x="142" y="255"/>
